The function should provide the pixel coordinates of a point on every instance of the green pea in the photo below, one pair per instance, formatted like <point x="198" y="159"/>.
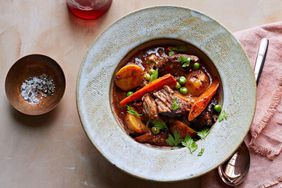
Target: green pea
<point x="147" y="77"/>
<point x="183" y="90"/>
<point x="129" y="93"/>
<point x="151" y="71"/>
<point x="155" y="130"/>
<point x="178" y="86"/>
<point x="217" y="108"/>
<point x="196" y="66"/>
<point x="182" y="80"/>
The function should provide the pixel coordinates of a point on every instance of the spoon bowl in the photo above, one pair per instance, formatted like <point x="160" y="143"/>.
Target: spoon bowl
<point x="235" y="169"/>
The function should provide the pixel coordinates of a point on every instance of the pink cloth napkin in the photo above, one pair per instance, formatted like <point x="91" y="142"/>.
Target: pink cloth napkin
<point x="265" y="138"/>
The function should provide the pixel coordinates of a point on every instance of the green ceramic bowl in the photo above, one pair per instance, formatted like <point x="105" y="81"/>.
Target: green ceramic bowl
<point x="165" y="23"/>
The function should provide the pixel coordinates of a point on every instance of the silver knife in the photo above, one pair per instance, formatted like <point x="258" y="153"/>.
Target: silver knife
<point x="261" y="58"/>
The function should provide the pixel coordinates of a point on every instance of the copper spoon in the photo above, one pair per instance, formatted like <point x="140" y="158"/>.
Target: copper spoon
<point x="233" y="172"/>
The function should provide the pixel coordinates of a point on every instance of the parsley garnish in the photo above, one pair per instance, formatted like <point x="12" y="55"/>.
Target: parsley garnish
<point x="184" y="60"/>
<point x="130" y="110"/>
<point x="174" y="140"/>
<point x="171" y="53"/>
<point x="160" y="124"/>
<point x="174" y="105"/>
<point x="154" y="75"/>
<point x="203" y="133"/>
<point x="190" y="144"/>
<point x="201" y="152"/>
<point x="222" y="116"/>
<point x="185" y="64"/>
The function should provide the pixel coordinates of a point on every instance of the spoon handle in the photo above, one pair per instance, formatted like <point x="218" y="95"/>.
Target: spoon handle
<point x="260" y="58"/>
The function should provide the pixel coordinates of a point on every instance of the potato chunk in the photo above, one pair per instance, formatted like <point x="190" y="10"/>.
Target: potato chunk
<point x="197" y="82"/>
<point x="129" y="77"/>
<point x="135" y="124"/>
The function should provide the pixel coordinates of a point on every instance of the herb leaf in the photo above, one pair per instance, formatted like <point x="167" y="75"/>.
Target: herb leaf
<point x="160" y="124"/>
<point x="170" y="140"/>
<point x="171" y="53"/>
<point x="131" y="110"/>
<point x="183" y="59"/>
<point x="154" y="75"/>
<point x="201" y="152"/>
<point x="203" y="133"/>
<point x="174" y="105"/>
<point x="222" y="116"/>
<point x="177" y="138"/>
<point x="190" y="144"/>
<point x="174" y="140"/>
<point x="185" y="64"/>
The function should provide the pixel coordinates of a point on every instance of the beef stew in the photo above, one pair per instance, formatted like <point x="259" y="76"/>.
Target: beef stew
<point x="165" y="95"/>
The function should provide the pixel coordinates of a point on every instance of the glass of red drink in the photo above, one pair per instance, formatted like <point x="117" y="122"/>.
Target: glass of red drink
<point x="88" y="9"/>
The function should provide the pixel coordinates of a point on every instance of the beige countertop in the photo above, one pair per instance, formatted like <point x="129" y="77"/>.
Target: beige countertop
<point x="53" y="150"/>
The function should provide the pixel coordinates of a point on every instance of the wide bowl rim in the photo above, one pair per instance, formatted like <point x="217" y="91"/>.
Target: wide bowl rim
<point x="98" y="147"/>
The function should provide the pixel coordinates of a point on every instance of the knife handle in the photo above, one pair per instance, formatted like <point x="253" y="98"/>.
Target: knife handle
<point x="260" y="58"/>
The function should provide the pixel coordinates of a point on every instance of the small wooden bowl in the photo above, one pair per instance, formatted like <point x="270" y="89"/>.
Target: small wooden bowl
<point x="29" y="66"/>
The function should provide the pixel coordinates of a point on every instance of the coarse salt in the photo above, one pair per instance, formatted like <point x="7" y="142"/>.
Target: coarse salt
<point x="35" y="88"/>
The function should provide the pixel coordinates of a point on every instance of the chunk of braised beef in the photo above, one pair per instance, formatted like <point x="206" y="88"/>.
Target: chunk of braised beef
<point x="173" y="68"/>
<point x="184" y="103"/>
<point x="207" y="118"/>
<point x="138" y="106"/>
<point x="159" y="139"/>
<point x="162" y="107"/>
<point x="155" y="61"/>
<point x="177" y="57"/>
<point x="166" y="98"/>
<point x="204" y="120"/>
<point x="149" y="106"/>
<point x="173" y="64"/>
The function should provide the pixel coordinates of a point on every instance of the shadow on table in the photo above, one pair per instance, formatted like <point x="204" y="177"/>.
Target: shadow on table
<point x="108" y="175"/>
<point x="34" y="121"/>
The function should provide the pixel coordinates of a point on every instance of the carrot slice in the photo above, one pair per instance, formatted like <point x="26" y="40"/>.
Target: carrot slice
<point x="157" y="84"/>
<point x="203" y="100"/>
<point x="182" y="129"/>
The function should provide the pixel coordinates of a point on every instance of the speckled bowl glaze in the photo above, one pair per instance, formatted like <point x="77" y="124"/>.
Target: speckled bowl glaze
<point x="163" y="164"/>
